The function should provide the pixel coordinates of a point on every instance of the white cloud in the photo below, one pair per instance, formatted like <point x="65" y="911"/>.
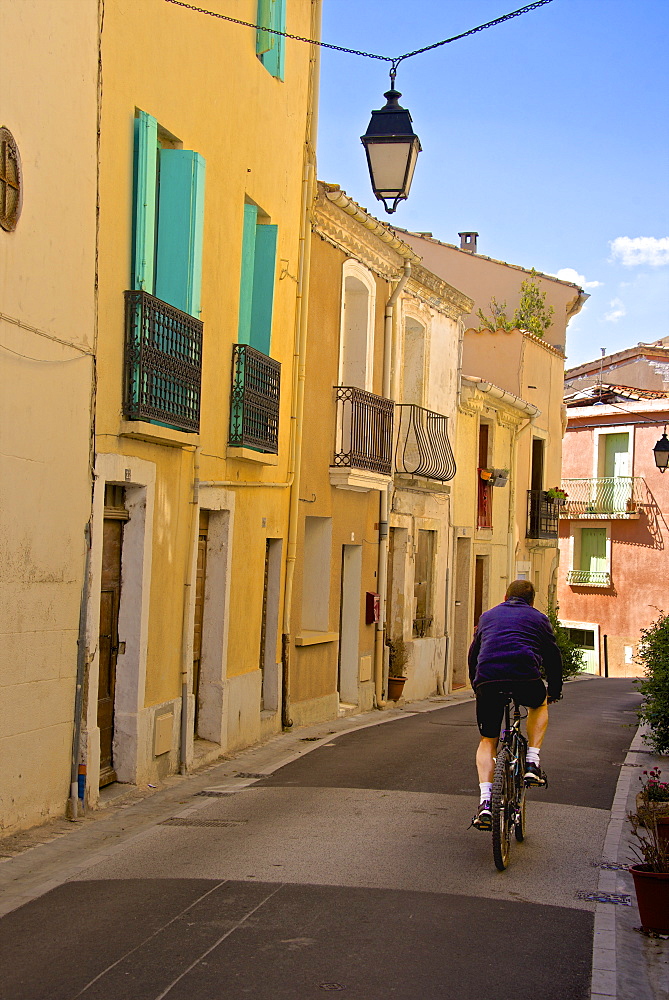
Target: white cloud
<point x="640" y="250"/>
<point x="617" y="311"/>
<point x="571" y="274"/>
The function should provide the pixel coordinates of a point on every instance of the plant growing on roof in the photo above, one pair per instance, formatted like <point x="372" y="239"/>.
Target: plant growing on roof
<point x="532" y="314"/>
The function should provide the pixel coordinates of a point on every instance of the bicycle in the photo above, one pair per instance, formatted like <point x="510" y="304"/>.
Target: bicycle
<point x="508" y="789"/>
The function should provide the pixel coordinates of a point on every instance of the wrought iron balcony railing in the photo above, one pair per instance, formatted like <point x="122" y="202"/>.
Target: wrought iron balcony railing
<point x="254" y="400"/>
<point x="163" y="363"/>
<point x="364" y="430"/>
<point x="588" y="578"/>
<point x="422" y="447"/>
<point x="542" y="515"/>
<point x="608" y="497"/>
<point x="421" y="626"/>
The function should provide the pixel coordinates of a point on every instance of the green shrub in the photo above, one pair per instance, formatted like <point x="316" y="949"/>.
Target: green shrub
<point x="573" y="660"/>
<point x="653" y="651"/>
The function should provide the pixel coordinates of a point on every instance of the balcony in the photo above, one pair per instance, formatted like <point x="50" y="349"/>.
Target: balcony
<point x="254" y="400"/>
<point x="423" y="448"/>
<point x="609" y="498"/>
<point x="163" y="363"/>
<point x="542" y="515"/>
<point x="364" y="440"/>
<point x="588" y="578"/>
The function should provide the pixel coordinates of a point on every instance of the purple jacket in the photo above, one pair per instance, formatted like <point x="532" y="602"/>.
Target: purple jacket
<point x="512" y="641"/>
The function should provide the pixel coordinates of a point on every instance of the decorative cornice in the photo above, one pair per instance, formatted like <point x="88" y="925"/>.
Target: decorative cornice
<point x="438" y="294"/>
<point x="344" y="233"/>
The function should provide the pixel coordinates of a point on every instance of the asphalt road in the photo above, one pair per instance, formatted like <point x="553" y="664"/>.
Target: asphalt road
<point x="353" y="870"/>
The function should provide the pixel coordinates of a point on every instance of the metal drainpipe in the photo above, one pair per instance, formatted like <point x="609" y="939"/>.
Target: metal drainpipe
<point x="193" y="532"/>
<point x="79" y="695"/>
<point x="299" y="359"/>
<point x="382" y="569"/>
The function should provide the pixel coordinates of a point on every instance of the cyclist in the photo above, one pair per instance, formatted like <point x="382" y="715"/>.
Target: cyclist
<point x="512" y="641"/>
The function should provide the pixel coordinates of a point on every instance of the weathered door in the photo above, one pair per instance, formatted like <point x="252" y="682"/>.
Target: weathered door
<point x="110" y="597"/>
<point x="200" y="581"/>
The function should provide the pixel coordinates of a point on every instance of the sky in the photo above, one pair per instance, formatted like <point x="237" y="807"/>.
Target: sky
<point x="548" y="135"/>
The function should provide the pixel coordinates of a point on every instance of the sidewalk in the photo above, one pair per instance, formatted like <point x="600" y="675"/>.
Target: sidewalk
<point x="627" y="965"/>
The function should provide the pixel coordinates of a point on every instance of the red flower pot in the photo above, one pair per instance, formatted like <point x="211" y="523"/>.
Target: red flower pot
<point x="652" y="896"/>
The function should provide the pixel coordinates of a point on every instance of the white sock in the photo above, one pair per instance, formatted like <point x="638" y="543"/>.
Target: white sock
<point x="533" y="755"/>
<point x="486" y="790"/>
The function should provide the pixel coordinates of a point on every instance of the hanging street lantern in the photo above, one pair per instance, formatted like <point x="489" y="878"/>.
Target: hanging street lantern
<point x="661" y="452"/>
<point x="392" y="149"/>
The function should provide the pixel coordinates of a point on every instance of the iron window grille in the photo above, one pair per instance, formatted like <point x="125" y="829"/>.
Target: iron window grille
<point x="364" y="430"/>
<point x="10" y="181"/>
<point x="163" y="363"/>
<point x="423" y="447"/>
<point x="542" y="515"/>
<point x="588" y="578"/>
<point x="421" y="626"/>
<point x="254" y="400"/>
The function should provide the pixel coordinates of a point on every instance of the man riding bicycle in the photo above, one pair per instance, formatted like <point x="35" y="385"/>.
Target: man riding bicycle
<point x="512" y="641"/>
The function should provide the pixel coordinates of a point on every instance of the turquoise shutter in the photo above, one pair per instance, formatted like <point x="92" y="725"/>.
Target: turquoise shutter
<point x="246" y="281"/>
<point x="144" y="202"/>
<point x="264" y="268"/>
<point x="180" y="225"/>
<point x="270" y="47"/>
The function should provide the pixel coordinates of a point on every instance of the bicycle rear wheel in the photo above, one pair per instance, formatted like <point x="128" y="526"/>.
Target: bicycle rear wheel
<point x="502" y="804"/>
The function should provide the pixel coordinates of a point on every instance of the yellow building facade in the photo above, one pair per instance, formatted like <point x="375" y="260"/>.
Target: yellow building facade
<point x="204" y="170"/>
<point x="47" y="342"/>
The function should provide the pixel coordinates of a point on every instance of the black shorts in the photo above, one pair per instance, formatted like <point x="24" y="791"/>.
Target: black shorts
<point x="491" y="699"/>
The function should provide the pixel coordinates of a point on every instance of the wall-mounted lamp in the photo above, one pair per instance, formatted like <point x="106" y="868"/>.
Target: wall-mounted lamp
<point x="661" y="452"/>
<point x="392" y="149"/>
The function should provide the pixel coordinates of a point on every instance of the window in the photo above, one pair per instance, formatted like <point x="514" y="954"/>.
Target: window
<point x="270" y="48"/>
<point x="356" y="360"/>
<point x="256" y="293"/>
<point x="582" y="637"/>
<point x="10" y="181"/>
<point x="413" y="369"/>
<point x="422" y="586"/>
<point x="591" y="556"/>
<point x="168" y="219"/>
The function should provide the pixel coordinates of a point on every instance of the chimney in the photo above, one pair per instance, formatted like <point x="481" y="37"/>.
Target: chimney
<point x="468" y="241"/>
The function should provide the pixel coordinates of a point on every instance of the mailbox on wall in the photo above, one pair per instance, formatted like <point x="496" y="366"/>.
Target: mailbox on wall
<point x="372" y="608"/>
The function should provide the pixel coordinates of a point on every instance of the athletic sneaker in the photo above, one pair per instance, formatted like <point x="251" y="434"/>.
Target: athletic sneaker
<point x="534" y="776"/>
<point x="483" y="818"/>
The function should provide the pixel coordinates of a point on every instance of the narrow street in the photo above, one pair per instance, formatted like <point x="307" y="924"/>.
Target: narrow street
<point x="351" y="869"/>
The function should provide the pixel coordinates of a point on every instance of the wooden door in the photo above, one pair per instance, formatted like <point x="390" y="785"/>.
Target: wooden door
<point x="200" y="580"/>
<point x="110" y="595"/>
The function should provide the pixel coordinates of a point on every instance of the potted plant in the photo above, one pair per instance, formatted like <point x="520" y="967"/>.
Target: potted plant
<point x="653" y="799"/>
<point x="398" y="656"/>
<point x="650" y="870"/>
<point x="486" y="474"/>
<point x="500" y="477"/>
<point x="557" y="494"/>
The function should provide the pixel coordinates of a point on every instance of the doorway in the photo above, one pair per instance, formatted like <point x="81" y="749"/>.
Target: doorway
<point x="200" y="584"/>
<point x="349" y="624"/>
<point x="115" y="517"/>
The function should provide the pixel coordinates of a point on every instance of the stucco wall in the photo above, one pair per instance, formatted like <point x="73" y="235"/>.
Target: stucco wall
<point x="47" y="270"/>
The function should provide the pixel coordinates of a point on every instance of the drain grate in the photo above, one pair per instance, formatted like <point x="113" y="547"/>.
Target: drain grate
<point x="183" y="821"/>
<point x="331" y="986"/>
<point x="210" y="793"/>
<point x="250" y="774"/>
<point x="311" y="739"/>
<point x="610" y="866"/>
<point x="619" y="898"/>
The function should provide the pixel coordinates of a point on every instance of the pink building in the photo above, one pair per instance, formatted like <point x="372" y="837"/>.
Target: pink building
<point x="614" y="533"/>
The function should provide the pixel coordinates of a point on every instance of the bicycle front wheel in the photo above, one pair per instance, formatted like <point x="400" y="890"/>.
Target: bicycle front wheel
<point x="502" y="804"/>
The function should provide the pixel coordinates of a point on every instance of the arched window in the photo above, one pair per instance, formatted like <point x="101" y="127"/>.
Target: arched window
<point x="357" y="327"/>
<point x="413" y="367"/>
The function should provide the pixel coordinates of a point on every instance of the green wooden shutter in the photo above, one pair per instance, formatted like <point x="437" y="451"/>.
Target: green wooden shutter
<point x="593" y="550"/>
<point x="144" y="202"/>
<point x="180" y="226"/>
<point x="246" y="280"/>
<point x="264" y="268"/>
<point x="270" y="47"/>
